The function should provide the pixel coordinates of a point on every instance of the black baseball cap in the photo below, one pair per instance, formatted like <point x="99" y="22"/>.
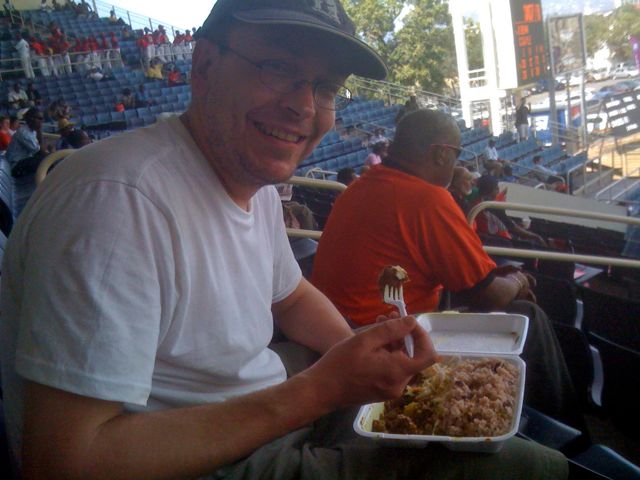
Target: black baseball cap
<point x="323" y="15"/>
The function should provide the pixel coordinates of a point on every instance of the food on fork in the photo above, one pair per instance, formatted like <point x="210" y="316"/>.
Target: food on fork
<point x="392" y="276"/>
<point x="474" y="397"/>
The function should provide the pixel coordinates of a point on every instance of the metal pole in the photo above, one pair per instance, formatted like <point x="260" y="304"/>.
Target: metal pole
<point x="129" y="18"/>
<point x="567" y="112"/>
<point x="95" y="7"/>
<point x="553" y="114"/>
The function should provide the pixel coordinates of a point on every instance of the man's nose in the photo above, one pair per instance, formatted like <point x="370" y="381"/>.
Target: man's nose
<point x="301" y="99"/>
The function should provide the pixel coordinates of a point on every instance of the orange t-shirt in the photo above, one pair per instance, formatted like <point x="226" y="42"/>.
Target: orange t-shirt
<point x="388" y="217"/>
<point x="5" y="140"/>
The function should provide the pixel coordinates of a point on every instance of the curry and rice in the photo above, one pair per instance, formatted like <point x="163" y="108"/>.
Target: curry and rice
<point x="474" y="397"/>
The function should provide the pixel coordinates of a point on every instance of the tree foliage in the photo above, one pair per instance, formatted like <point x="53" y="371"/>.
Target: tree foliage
<point x="418" y="49"/>
<point x="613" y="30"/>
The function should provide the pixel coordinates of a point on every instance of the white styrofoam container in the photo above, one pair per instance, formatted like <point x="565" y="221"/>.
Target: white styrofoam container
<point x="465" y="335"/>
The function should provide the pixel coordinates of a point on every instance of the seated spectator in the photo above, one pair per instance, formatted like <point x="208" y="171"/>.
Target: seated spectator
<point x="378" y="153"/>
<point x="126" y="33"/>
<point x="507" y="175"/>
<point x="142" y="98"/>
<point x="65" y="127"/>
<point x="174" y="77"/>
<point x="25" y="151"/>
<point x="548" y="176"/>
<point x="461" y="188"/>
<point x="17" y="97"/>
<point x="35" y="99"/>
<point x="497" y="222"/>
<point x="492" y="163"/>
<point x="128" y="99"/>
<point x="78" y="138"/>
<point x="59" y="109"/>
<point x="407" y="217"/>
<point x="5" y="133"/>
<point x="113" y="18"/>
<point x="346" y="176"/>
<point x="154" y="71"/>
<point x="378" y="137"/>
<point x="14" y="124"/>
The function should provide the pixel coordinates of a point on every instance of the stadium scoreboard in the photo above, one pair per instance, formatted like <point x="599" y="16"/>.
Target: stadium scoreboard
<point x="528" y="38"/>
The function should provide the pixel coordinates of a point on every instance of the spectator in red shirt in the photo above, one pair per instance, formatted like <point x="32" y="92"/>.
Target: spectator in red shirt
<point x="174" y="77"/>
<point x="5" y="133"/>
<point x="116" y="58"/>
<point x="40" y="56"/>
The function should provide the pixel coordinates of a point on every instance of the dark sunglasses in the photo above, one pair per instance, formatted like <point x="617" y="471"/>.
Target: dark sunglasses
<point x="457" y="150"/>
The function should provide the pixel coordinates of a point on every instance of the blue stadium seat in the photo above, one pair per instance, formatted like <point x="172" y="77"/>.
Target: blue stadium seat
<point x="103" y="118"/>
<point x="117" y="116"/>
<point x="135" y="122"/>
<point x="130" y="114"/>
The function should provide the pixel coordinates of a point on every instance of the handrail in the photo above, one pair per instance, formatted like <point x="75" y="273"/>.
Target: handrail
<point x="565" y="212"/>
<point x="611" y="186"/>
<point x="559" y="256"/>
<point x="316" y="183"/>
<point x="48" y="161"/>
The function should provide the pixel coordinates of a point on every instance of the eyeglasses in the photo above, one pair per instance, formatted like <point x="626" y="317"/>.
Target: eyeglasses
<point x="457" y="150"/>
<point x="281" y="77"/>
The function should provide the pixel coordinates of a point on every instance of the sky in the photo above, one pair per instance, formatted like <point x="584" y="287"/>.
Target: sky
<point x="181" y="13"/>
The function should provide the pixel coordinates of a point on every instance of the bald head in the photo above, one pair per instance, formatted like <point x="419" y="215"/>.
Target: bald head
<point x="418" y="130"/>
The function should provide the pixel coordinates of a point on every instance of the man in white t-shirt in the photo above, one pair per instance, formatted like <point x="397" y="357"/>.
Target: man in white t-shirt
<point x="141" y="285"/>
<point x="24" y="53"/>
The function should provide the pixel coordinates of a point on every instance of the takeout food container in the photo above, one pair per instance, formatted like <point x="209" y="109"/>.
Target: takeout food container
<point x="463" y="335"/>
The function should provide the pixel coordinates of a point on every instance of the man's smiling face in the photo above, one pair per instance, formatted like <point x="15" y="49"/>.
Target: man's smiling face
<point x="251" y="134"/>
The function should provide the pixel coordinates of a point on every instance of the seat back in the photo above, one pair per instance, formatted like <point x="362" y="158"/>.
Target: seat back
<point x="577" y="354"/>
<point x="614" y="318"/>
<point x="558" y="298"/>
<point x="621" y="369"/>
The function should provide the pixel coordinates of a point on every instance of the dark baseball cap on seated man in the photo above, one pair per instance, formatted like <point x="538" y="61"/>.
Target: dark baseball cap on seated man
<point x="327" y="16"/>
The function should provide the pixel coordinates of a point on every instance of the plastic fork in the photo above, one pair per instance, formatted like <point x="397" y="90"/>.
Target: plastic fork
<point x="393" y="296"/>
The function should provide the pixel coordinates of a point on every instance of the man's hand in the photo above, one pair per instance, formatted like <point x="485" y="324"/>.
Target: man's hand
<point x="372" y="366"/>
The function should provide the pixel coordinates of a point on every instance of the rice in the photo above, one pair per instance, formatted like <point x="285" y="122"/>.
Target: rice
<point x="459" y="398"/>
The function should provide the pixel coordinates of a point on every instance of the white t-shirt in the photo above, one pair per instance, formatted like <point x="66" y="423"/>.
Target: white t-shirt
<point x="491" y="153"/>
<point x="132" y="276"/>
<point x="22" y="47"/>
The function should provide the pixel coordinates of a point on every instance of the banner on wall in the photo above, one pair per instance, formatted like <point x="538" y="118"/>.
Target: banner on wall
<point x="566" y="42"/>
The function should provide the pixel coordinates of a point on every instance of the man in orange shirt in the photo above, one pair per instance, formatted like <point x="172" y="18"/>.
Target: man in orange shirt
<point x="400" y="213"/>
<point x="405" y="216"/>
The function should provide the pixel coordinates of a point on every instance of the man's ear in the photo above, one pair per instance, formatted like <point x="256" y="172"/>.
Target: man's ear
<point x="438" y="156"/>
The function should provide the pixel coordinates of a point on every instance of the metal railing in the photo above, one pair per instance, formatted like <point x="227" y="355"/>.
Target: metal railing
<point x="559" y="256"/>
<point x="395" y="93"/>
<point x="82" y="62"/>
<point x="501" y="251"/>
<point x="625" y="183"/>
<point x="135" y="20"/>
<point x="315" y="183"/>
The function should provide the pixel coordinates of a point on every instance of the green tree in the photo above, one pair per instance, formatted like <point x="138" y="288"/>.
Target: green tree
<point x="624" y="22"/>
<point x="596" y="31"/>
<point x="375" y="22"/>
<point x="419" y="49"/>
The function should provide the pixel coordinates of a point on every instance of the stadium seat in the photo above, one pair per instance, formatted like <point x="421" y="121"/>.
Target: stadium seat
<point x="135" y="122"/>
<point x="606" y="461"/>
<point x="621" y="370"/>
<point x="612" y="317"/>
<point x="130" y="114"/>
<point x="548" y="431"/>
<point x="117" y="116"/>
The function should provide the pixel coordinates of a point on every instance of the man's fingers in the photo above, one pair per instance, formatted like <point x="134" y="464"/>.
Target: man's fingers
<point x="391" y="331"/>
